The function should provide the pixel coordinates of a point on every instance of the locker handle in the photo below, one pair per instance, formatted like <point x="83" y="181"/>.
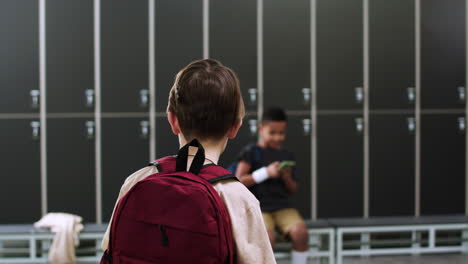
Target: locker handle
<point x="307" y="126"/>
<point x="461" y="94"/>
<point x="90" y="129"/>
<point x="144" y="98"/>
<point x="253" y="95"/>
<point x="144" y="129"/>
<point x="253" y="126"/>
<point x="34" y="98"/>
<point x="461" y="124"/>
<point x="306" y="93"/>
<point x="359" y="94"/>
<point x="411" y="121"/>
<point x="359" y="122"/>
<point x="35" y="125"/>
<point x="89" y="94"/>
<point x="411" y="93"/>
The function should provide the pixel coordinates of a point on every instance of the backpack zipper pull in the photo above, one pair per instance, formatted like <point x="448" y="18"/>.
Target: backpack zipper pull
<point x="164" y="238"/>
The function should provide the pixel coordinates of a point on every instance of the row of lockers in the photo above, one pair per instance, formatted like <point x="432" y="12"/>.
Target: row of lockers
<point x="71" y="165"/>
<point x="233" y="37"/>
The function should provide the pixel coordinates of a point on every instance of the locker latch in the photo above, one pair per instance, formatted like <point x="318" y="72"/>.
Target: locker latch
<point x="34" y="98"/>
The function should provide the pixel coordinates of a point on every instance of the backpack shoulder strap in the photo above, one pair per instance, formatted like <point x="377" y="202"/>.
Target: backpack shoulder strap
<point x="223" y="178"/>
<point x="214" y="174"/>
<point x="166" y="164"/>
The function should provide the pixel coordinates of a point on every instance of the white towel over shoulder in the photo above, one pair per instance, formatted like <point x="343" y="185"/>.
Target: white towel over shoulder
<point x="66" y="228"/>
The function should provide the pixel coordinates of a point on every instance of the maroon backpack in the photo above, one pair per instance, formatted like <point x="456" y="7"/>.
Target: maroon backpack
<point x="173" y="216"/>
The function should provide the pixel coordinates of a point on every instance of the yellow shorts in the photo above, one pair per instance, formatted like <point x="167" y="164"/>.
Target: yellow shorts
<point x="282" y="220"/>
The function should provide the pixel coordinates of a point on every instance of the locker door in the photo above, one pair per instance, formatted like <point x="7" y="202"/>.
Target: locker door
<point x="442" y="53"/>
<point x="247" y="134"/>
<point x="124" y="56"/>
<point x="286" y="42"/>
<point x="179" y="40"/>
<point x="392" y="163"/>
<point x="340" y="167"/>
<point x="392" y="59"/>
<point x="339" y="54"/>
<point x="20" y="191"/>
<point x="442" y="165"/>
<point x="233" y="41"/>
<point x="299" y="142"/>
<point x="124" y="150"/>
<point x="70" y="56"/>
<point x="71" y="167"/>
<point x="166" y="142"/>
<point x="19" y="74"/>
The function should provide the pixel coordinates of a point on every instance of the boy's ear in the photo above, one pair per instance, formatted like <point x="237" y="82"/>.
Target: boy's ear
<point x="172" y="118"/>
<point x="232" y="132"/>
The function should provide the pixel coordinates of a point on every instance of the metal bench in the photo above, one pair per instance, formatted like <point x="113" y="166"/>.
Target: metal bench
<point x="27" y="244"/>
<point x="401" y="235"/>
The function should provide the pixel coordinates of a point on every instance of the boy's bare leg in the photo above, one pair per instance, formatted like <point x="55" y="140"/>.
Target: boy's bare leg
<point x="299" y="237"/>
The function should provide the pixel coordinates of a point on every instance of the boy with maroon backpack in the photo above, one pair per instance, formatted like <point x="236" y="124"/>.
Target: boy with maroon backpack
<point x="185" y="208"/>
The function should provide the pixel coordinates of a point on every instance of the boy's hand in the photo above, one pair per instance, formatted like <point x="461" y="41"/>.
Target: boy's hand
<point x="286" y="173"/>
<point x="273" y="170"/>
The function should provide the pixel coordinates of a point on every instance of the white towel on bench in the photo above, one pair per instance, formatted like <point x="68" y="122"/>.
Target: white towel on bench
<point x="66" y="228"/>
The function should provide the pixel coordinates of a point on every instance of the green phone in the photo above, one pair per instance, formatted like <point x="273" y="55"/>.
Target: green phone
<point x="287" y="164"/>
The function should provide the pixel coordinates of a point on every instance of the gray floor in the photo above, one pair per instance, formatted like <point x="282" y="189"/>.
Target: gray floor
<point x="426" y="259"/>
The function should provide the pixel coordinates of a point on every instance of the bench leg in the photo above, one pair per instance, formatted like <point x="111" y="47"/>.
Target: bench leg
<point x="415" y="242"/>
<point x="339" y="247"/>
<point x="365" y="244"/>
<point x="465" y="241"/>
<point x="45" y="248"/>
<point x="98" y="248"/>
<point x="314" y="241"/>
<point x="331" y="247"/>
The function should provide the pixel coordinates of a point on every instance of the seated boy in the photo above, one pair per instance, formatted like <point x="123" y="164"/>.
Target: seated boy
<point x="259" y="169"/>
<point x="205" y="103"/>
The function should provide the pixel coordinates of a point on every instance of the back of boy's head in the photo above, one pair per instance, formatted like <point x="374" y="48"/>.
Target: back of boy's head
<point x="274" y="114"/>
<point x="206" y="100"/>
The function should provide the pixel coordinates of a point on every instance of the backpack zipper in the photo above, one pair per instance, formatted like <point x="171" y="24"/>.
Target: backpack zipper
<point x="164" y="238"/>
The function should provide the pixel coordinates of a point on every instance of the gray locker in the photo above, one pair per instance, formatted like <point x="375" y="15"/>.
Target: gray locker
<point x="392" y="54"/>
<point x="247" y="134"/>
<point x="442" y="164"/>
<point x="124" y="51"/>
<point x="20" y="191"/>
<point x="125" y="149"/>
<point x="233" y="41"/>
<point x="298" y="141"/>
<point x="339" y="54"/>
<point x="340" y="167"/>
<point x="443" y="51"/>
<point x="286" y="55"/>
<point x="70" y="56"/>
<point x="71" y="167"/>
<point x="166" y="142"/>
<point x="179" y="41"/>
<point x="392" y="165"/>
<point x="19" y="74"/>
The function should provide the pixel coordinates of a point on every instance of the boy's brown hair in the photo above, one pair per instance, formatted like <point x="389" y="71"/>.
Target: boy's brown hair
<point x="206" y="100"/>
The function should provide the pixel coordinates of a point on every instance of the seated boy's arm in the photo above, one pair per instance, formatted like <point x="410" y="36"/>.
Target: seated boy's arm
<point x="262" y="174"/>
<point x="242" y="173"/>
<point x="289" y="182"/>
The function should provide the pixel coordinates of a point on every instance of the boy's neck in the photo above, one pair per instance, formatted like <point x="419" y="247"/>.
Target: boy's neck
<point x="213" y="149"/>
